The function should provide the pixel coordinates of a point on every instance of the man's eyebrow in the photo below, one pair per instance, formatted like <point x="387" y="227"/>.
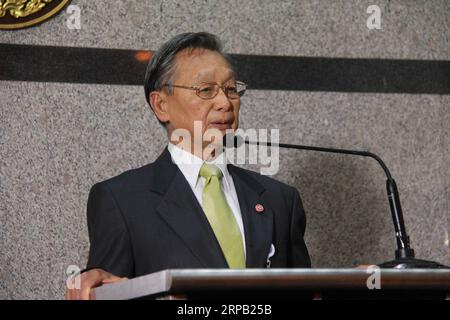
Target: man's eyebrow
<point x="201" y="76"/>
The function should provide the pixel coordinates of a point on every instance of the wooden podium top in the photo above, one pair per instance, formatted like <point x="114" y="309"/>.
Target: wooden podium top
<point x="182" y="281"/>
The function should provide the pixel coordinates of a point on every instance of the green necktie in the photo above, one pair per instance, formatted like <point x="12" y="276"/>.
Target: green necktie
<point x="221" y="217"/>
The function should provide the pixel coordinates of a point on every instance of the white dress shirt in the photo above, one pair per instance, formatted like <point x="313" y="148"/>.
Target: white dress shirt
<point x="190" y="165"/>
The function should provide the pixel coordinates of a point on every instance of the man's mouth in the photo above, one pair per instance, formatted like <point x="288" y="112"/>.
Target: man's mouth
<point x="221" y="124"/>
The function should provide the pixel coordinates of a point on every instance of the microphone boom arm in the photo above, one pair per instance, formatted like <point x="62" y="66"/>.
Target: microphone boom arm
<point x="404" y="255"/>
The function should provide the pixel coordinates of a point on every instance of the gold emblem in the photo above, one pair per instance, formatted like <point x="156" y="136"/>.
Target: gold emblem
<point x="16" y="14"/>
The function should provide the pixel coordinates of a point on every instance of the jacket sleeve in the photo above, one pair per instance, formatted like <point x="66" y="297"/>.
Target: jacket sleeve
<point x="298" y="255"/>
<point x="110" y="247"/>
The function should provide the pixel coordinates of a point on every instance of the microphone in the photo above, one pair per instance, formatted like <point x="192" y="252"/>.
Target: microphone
<point x="404" y="254"/>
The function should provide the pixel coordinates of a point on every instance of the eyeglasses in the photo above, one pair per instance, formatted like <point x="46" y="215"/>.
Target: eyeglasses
<point x="210" y="90"/>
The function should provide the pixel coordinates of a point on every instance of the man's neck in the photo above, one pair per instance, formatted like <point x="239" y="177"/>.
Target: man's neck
<point x="207" y="153"/>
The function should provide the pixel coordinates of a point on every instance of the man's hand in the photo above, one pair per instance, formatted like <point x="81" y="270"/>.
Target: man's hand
<point x="89" y="280"/>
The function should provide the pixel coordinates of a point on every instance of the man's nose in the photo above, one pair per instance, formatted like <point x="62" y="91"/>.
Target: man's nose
<point x="222" y="102"/>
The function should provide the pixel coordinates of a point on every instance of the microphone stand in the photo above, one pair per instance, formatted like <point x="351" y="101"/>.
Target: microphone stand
<point x="404" y="254"/>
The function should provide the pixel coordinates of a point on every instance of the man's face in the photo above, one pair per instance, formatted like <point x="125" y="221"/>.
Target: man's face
<point x="184" y="106"/>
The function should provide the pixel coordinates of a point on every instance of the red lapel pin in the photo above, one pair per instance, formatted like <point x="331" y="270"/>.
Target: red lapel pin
<point x="259" y="208"/>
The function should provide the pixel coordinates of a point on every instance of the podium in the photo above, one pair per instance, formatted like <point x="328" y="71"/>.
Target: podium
<point x="250" y="284"/>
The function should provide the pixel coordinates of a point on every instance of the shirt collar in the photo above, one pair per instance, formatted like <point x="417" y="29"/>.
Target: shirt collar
<point x="190" y="165"/>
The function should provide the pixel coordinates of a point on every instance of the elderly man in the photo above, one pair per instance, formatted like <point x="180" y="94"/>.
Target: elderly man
<point x="200" y="213"/>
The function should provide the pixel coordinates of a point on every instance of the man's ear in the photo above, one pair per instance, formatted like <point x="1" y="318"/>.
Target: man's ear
<point x="158" y="103"/>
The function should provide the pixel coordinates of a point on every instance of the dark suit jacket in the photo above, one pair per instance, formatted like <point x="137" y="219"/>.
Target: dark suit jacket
<point x="148" y="219"/>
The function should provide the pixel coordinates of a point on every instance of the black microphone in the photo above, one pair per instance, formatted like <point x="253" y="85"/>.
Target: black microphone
<point x="404" y="255"/>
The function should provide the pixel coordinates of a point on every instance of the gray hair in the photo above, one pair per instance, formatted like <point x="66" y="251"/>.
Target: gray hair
<point x="161" y="67"/>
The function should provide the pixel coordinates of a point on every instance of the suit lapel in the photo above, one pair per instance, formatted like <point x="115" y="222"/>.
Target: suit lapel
<point x="258" y="226"/>
<point x="181" y="210"/>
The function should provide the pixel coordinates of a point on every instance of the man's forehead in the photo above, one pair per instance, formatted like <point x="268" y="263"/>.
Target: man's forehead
<point x="203" y="63"/>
